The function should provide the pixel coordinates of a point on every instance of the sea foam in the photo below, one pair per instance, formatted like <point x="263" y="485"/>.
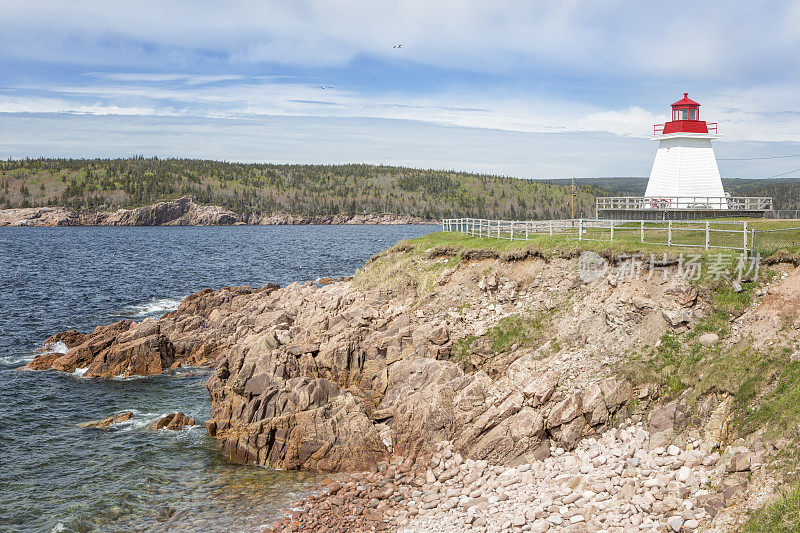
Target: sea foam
<point x="56" y="347"/>
<point x="154" y="306"/>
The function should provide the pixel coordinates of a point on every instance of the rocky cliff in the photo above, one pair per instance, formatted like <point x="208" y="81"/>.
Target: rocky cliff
<point x="181" y="212"/>
<point x="509" y="359"/>
<point x="378" y="371"/>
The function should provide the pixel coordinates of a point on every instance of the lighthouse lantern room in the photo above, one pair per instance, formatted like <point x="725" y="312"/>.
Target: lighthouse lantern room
<point x="685" y="172"/>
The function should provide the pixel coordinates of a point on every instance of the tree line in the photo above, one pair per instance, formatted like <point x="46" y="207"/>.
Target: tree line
<point x="97" y="184"/>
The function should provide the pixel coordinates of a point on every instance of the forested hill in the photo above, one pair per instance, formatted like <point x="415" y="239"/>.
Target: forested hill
<point x="103" y="184"/>
<point x="108" y="184"/>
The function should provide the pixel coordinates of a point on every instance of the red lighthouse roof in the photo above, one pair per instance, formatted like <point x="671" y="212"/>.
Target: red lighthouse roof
<point x="685" y="102"/>
<point x="685" y="119"/>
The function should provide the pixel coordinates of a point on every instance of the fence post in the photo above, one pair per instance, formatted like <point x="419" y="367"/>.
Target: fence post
<point x="744" y="235"/>
<point x="551" y="227"/>
<point x="612" y="232"/>
<point x="641" y="230"/>
<point x="753" y="242"/>
<point x="580" y="229"/>
<point x="526" y="230"/>
<point x="669" y="233"/>
<point x="512" y="231"/>
<point x="708" y="234"/>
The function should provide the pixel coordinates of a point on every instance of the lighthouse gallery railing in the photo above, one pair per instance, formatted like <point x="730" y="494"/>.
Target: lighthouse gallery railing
<point x="658" y="129"/>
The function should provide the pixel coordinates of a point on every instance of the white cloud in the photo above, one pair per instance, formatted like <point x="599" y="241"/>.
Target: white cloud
<point x="633" y="121"/>
<point x="543" y="67"/>
<point x="759" y="113"/>
<point x="57" y="105"/>
<point x="156" y="77"/>
<point x="707" y="40"/>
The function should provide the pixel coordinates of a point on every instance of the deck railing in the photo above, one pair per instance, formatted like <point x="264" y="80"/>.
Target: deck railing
<point x="623" y="203"/>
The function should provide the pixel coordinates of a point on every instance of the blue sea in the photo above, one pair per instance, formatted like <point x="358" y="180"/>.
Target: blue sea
<point x="56" y="476"/>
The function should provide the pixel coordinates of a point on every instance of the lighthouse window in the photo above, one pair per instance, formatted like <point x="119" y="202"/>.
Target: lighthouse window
<point x="684" y="114"/>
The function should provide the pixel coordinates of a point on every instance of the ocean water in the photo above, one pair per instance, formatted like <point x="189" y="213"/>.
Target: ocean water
<point x="55" y="476"/>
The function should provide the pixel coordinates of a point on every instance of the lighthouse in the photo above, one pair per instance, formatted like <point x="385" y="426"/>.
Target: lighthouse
<point x="685" y="173"/>
<point x="684" y="183"/>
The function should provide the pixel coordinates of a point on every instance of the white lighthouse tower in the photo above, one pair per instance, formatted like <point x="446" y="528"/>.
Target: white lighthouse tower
<point x="685" y="173"/>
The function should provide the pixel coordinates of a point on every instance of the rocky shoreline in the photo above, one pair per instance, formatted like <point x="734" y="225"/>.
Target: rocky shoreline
<point x="615" y="482"/>
<point x="447" y="394"/>
<point x="185" y="212"/>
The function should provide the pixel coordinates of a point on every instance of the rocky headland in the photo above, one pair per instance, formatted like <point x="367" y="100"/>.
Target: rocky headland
<point x="183" y="212"/>
<point x="447" y="390"/>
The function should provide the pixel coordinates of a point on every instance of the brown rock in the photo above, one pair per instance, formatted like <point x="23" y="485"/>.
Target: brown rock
<point x="741" y="461"/>
<point x="664" y="418"/>
<point x="105" y="423"/>
<point x="174" y="421"/>
<point x="143" y="356"/>
<point x="683" y="295"/>
<point x="42" y="362"/>
<point x="69" y="338"/>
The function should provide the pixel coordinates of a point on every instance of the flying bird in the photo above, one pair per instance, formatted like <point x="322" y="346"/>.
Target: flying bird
<point x="398" y="46"/>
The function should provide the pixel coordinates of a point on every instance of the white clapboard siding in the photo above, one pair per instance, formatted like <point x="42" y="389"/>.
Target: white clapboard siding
<point x="685" y="166"/>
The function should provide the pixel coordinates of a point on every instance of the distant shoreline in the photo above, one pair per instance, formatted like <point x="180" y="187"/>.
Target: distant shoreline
<point x="185" y="212"/>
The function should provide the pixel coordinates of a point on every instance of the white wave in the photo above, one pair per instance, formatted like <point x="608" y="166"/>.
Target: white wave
<point x="79" y="372"/>
<point x="56" y="347"/>
<point x="120" y="377"/>
<point x="53" y="347"/>
<point x="146" y="420"/>
<point x="58" y="528"/>
<point x="18" y="359"/>
<point x="141" y="420"/>
<point x="156" y="305"/>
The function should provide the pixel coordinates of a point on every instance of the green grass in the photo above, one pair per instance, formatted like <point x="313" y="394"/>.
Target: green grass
<point x="777" y="407"/>
<point x="417" y="263"/>
<point x="520" y="330"/>
<point x="690" y="236"/>
<point x="402" y="270"/>
<point x="511" y="332"/>
<point x="779" y="517"/>
<point x="729" y="302"/>
<point x="460" y="350"/>
<point x="472" y="247"/>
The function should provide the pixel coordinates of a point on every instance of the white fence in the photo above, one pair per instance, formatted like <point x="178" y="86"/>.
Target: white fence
<point x="745" y="203"/>
<point x="686" y="234"/>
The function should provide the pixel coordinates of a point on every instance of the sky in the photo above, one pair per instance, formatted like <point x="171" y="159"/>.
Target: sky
<point x="533" y="89"/>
